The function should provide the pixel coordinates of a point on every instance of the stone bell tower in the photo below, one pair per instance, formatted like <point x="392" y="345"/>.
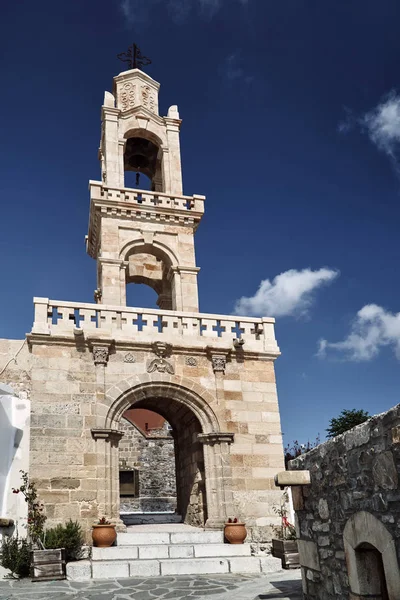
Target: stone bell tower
<point x="140" y="236"/>
<point x="210" y="376"/>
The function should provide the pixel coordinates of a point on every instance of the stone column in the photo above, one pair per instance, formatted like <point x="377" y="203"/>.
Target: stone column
<point x="218" y="477"/>
<point x="121" y="151"/>
<point x="175" y="167"/>
<point x="112" y="282"/>
<point x="110" y="149"/>
<point x="108" y="472"/>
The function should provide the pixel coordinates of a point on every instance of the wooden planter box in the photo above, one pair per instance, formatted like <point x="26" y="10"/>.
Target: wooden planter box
<point x="287" y="551"/>
<point x="48" y="565"/>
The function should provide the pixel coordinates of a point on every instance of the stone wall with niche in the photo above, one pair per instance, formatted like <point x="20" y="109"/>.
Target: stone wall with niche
<point x="348" y="517"/>
<point x="152" y="457"/>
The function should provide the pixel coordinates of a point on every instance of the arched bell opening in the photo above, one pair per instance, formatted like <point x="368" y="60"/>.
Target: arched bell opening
<point x="149" y="267"/>
<point x="143" y="157"/>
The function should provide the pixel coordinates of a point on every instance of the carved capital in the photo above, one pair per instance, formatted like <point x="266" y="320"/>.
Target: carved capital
<point x="216" y="438"/>
<point x="100" y="355"/>
<point x="218" y="362"/>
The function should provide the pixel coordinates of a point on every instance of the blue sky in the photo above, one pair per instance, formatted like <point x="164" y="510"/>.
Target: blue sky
<point x="291" y="128"/>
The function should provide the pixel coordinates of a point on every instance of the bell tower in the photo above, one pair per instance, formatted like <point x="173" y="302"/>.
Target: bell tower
<point x="142" y="236"/>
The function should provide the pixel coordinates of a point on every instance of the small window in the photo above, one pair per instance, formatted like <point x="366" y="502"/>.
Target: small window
<point x="128" y="483"/>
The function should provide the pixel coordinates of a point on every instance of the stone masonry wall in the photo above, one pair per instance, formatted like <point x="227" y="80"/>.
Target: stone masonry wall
<point x="356" y="471"/>
<point x="72" y="394"/>
<point x="153" y="456"/>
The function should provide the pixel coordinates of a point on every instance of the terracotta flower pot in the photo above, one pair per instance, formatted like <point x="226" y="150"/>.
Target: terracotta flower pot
<point x="235" y="533"/>
<point x="103" y="535"/>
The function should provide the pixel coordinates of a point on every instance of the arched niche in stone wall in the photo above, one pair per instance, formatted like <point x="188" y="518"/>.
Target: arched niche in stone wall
<point x="371" y="557"/>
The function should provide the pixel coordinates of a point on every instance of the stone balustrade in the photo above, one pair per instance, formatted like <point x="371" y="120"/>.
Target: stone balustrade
<point x="53" y="317"/>
<point x="145" y="198"/>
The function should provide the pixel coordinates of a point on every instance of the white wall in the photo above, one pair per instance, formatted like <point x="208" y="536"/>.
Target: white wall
<point x="14" y="454"/>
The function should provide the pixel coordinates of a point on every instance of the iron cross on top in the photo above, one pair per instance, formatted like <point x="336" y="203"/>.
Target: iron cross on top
<point x="134" y="57"/>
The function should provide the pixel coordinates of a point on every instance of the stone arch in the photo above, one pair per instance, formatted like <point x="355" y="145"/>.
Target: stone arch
<point x="181" y="389"/>
<point x="367" y="544"/>
<point x="157" y="248"/>
<point x="202" y="452"/>
<point x="150" y="264"/>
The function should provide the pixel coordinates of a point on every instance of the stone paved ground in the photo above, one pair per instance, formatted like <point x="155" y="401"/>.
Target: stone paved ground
<point x="285" y="585"/>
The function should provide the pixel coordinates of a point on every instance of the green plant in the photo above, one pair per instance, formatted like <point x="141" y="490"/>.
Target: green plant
<point x="297" y="449"/>
<point x="103" y="521"/>
<point x="68" y="536"/>
<point x="36" y="516"/>
<point x="286" y="531"/>
<point x="346" y="420"/>
<point x="15" y="555"/>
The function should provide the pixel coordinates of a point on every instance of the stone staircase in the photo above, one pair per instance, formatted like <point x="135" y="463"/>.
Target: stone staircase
<point x="177" y="549"/>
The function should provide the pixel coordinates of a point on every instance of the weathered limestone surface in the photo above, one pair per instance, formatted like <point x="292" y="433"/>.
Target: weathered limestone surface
<point x="352" y="504"/>
<point x="77" y="473"/>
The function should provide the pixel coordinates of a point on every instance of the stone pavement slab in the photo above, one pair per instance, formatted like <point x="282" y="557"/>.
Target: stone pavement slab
<point x="284" y="585"/>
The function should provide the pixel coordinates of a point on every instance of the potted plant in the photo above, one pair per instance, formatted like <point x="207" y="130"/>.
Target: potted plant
<point x="103" y="533"/>
<point x="45" y="564"/>
<point x="285" y="546"/>
<point x="235" y="531"/>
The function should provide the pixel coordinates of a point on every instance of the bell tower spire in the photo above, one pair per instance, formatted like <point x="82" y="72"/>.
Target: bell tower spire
<point x="136" y="235"/>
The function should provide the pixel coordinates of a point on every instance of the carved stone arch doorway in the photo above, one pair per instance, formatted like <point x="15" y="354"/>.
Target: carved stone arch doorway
<point x="201" y="449"/>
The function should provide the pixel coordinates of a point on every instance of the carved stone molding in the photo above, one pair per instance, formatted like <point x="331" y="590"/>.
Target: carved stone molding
<point x="110" y="435"/>
<point x="216" y="438"/>
<point x="160" y="364"/>
<point x="100" y="355"/>
<point x="129" y="358"/>
<point x="191" y="361"/>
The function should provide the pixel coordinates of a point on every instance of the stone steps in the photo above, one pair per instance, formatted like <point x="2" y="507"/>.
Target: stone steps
<point x="147" y="552"/>
<point x="111" y="569"/>
<point x="164" y="551"/>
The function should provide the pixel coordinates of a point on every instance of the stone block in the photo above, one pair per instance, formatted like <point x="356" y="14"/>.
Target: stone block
<point x="223" y="550"/>
<point x="142" y="538"/>
<point x="148" y="552"/>
<point x="249" y="564"/>
<point x="80" y="570"/>
<point x="308" y="554"/>
<point x="197" y="537"/>
<point x="144" y="568"/>
<point x="185" y="551"/>
<point x="270" y="564"/>
<point x="115" y="553"/>
<point x="192" y="566"/>
<point x="110" y="569"/>
<point x="64" y="483"/>
<point x="286" y="478"/>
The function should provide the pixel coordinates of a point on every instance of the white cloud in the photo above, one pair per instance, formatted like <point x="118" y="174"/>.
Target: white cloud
<point x="290" y="294"/>
<point x="383" y="124"/>
<point x="139" y="11"/>
<point x="233" y="69"/>
<point x="372" y="329"/>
